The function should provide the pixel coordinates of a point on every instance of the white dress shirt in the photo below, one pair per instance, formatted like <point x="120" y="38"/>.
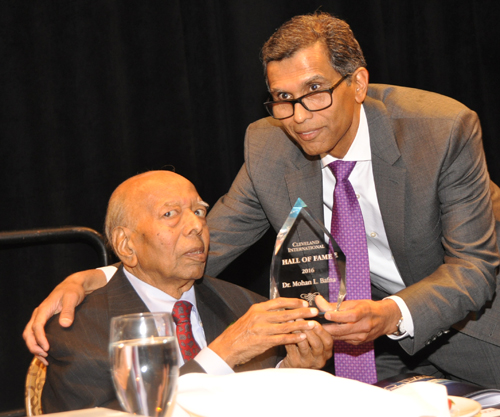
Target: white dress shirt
<point x="383" y="271"/>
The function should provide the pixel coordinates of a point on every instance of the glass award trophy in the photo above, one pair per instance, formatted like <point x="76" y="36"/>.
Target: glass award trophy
<point x="307" y="261"/>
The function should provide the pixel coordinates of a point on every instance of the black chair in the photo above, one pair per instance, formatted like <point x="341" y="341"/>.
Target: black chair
<point x="66" y="234"/>
<point x="21" y="294"/>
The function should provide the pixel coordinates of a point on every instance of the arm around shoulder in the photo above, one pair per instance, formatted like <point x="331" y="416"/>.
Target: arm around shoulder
<point x="63" y="299"/>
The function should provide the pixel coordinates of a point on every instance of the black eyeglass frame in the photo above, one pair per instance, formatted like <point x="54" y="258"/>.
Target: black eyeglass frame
<point x="268" y="104"/>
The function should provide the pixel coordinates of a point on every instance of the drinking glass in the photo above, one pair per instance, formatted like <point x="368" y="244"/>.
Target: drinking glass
<point x="144" y="362"/>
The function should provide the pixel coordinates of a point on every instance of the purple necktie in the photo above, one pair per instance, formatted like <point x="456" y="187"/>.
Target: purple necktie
<point x="348" y="230"/>
<point x="182" y="318"/>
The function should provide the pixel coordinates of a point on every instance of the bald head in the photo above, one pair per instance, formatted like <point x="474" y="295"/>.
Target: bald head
<point x="156" y="225"/>
<point x="133" y="192"/>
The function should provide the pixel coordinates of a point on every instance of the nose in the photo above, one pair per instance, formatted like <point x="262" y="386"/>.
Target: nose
<point x="300" y="113"/>
<point x="194" y="224"/>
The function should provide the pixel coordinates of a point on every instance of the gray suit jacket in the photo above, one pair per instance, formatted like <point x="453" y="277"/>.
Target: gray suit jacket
<point x="434" y="193"/>
<point x="79" y="375"/>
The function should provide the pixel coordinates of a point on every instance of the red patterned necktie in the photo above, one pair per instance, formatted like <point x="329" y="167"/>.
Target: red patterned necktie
<point x="182" y="318"/>
<point x="348" y="230"/>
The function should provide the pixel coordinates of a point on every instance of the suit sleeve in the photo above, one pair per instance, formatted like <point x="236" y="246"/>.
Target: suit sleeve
<point x="466" y="279"/>
<point x="78" y="374"/>
<point x="236" y="221"/>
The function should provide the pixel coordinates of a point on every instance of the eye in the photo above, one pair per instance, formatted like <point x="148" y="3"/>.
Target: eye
<point x="315" y="87"/>
<point x="284" y="96"/>
<point x="202" y="212"/>
<point x="171" y="213"/>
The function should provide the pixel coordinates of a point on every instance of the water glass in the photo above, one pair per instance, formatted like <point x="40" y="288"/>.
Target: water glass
<point x="144" y="362"/>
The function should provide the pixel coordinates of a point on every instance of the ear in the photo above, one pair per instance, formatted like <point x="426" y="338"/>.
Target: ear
<point x="360" y="81"/>
<point x="124" y="246"/>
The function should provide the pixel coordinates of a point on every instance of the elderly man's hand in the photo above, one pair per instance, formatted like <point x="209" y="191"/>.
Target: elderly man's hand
<point x="313" y="352"/>
<point x="360" y="321"/>
<point x="63" y="299"/>
<point x="265" y="325"/>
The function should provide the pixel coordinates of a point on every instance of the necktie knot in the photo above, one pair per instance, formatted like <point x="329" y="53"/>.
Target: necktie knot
<point x="182" y="312"/>
<point x="342" y="169"/>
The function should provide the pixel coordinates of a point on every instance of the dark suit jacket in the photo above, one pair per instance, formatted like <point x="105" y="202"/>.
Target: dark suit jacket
<point x="434" y="194"/>
<point x="79" y="375"/>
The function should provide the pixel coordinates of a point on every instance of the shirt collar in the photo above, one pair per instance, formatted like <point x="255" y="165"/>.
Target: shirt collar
<point x="152" y="296"/>
<point x="360" y="148"/>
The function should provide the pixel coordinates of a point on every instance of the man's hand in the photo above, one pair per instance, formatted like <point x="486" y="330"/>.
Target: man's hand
<point x="313" y="352"/>
<point x="360" y="321"/>
<point x="63" y="299"/>
<point x="265" y="325"/>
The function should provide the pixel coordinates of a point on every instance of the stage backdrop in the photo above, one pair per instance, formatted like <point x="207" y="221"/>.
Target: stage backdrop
<point x="93" y="92"/>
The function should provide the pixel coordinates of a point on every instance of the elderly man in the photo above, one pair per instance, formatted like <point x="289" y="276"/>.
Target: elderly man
<point x="406" y="168"/>
<point x="157" y="227"/>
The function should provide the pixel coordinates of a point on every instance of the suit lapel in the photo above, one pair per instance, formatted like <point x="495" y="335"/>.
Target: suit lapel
<point x="389" y="172"/>
<point x="303" y="180"/>
<point x="216" y="316"/>
<point x="119" y="289"/>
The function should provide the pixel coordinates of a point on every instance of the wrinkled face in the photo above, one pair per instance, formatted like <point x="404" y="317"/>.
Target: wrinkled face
<point x="331" y="130"/>
<point x="169" y="231"/>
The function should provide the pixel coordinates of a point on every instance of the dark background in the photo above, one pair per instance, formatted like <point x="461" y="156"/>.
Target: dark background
<point x="93" y="92"/>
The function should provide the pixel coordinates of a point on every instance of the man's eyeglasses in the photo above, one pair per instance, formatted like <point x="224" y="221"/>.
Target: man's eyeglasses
<point x="315" y="101"/>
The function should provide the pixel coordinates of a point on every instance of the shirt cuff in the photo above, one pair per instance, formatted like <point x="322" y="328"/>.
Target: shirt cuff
<point x="212" y="363"/>
<point x="407" y="319"/>
<point x="109" y="271"/>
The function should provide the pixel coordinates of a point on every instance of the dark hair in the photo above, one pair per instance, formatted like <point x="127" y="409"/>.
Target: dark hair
<point x="301" y="32"/>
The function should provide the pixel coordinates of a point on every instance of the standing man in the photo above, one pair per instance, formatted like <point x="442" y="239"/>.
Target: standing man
<point x="419" y="175"/>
